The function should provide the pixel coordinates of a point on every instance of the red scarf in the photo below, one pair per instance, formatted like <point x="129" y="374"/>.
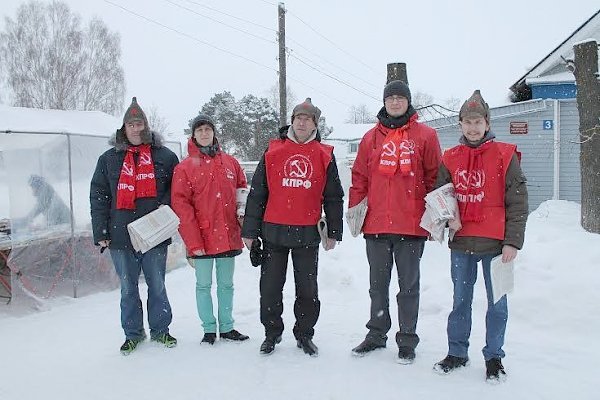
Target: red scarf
<point x="396" y="150"/>
<point x="472" y="209"/>
<point x="136" y="181"/>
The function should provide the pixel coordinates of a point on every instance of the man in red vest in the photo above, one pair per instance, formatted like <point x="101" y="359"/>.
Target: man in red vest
<point x="296" y="179"/>
<point x="396" y="166"/>
<point x="492" y="199"/>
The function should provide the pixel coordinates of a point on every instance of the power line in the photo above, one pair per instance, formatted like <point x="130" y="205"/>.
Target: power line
<point x="334" y="78"/>
<point x="220" y="22"/>
<point x="330" y="63"/>
<point x="190" y="36"/>
<point x="231" y="15"/>
<point x="152" y="21"/>
<point x="335" y="45"/>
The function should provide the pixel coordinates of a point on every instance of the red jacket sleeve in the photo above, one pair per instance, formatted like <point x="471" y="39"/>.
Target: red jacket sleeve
<point x="360" y="174"/>
<point x="241" y="176"/>
<point x="182" y="203"/>
<point x="431" y="160"/>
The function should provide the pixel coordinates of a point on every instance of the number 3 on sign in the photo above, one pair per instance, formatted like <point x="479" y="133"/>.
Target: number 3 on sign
<point x="548" y="124"/>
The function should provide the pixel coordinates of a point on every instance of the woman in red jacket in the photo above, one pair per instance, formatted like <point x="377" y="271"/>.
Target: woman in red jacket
<point x="203" y="195"/>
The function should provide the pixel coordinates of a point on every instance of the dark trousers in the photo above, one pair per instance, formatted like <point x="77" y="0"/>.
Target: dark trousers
<point x="272" y="279"/>
<point x="381" y="253"/>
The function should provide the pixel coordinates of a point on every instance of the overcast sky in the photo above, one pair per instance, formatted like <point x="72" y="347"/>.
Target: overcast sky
<point x="450" y="47"/>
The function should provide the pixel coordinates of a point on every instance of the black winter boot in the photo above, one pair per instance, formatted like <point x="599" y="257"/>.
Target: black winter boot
<point x="209" y="338"/>
<point x="233" y="335"/>
<point x="494" y="371"/>
<point x="366" y="347"/>
<point x="406" y="355"/>
<point x="449" y="364"/>
<point x="307" y="346"/>
<point x="268" y="345"/>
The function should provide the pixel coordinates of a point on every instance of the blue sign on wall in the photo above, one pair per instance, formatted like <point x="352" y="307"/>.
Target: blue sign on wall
<point x="548" y="124"/>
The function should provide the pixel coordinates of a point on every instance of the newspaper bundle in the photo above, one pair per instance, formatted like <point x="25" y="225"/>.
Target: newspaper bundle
<point x="153" y="228"/>
<point x="440" y="206"/>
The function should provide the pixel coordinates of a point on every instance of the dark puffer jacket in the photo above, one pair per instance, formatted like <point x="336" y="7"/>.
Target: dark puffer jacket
<point x="108" y="223"/>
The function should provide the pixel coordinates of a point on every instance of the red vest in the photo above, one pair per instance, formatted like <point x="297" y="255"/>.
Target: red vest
<point x="296" y="175"/>
<point x="489" y="187"/>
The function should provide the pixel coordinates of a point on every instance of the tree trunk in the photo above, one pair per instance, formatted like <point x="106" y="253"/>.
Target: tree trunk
<point x="588" y="104"/>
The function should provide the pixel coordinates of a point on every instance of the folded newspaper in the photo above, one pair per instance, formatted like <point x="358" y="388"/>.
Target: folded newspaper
<point x="503" y="277"/>
<point x="153" y="228"/>
<point x="322" y="228"/>
<point x="355" y="217"/>
<point x="440" y="206"/>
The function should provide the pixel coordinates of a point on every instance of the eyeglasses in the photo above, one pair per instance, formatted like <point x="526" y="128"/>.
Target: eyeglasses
<point x="395" y="98"/>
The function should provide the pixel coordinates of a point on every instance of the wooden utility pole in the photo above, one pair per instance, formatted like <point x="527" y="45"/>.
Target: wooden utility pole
<point x="282" y="69"/>
<point x="396" y="72"/>
<point x="588" y="104"/>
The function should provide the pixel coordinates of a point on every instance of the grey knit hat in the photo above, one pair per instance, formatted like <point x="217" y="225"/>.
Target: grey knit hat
<point x="203" y="119"/>
<point x="397" y="88"/>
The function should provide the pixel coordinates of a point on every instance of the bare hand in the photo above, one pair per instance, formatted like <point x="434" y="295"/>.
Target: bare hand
<point x="508" y="253"/>
<point x="330" y="244"/>
<point x="198" y="253"/>
<point x="104" y="243"/>
<point x="248" y="242"/>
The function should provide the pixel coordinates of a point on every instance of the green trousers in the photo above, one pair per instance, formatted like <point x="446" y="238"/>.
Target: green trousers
<point x="224" y="270"/>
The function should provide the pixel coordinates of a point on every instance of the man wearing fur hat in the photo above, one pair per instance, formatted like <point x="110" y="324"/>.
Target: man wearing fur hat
<point x="295" y="180"/>
<point x="206" y="188"/>
<point x="132" y="179"/>
<point x="396" y="166"/>
<point x="492" y="200"/>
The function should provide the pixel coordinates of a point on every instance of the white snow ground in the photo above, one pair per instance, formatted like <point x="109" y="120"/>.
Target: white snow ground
<point x="71" y="350"/>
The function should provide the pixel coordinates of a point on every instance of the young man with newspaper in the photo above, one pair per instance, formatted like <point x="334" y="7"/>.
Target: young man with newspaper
<point x="491" y="192"/>
<point x="132" y="179"/>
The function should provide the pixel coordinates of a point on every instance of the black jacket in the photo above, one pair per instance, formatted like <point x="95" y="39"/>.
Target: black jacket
<point x="108" y="223"/>
<point x="291" y="235"/>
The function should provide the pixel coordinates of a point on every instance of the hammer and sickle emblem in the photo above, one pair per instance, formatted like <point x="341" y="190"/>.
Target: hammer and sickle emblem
<point x="145" y="159"/>
<point x="389" y="149"/>
<point x="127" y="169"/>
<point x="299" y="168"/>
<point x="407" y="147"/>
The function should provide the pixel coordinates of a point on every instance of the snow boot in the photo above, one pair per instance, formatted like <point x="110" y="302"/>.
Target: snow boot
<point x="131" y="344"/>
<point x="406" y="355"/>
<point x="494" y="371"/>
<point x="366" y="347"/>
<point x="268" y="345"/>
<point x="166" y="339"/>
<point x="307" y="346"/>
<point x="233" y="335"/>
<point x="209" y="338"/>
<point x="449" y="364"/>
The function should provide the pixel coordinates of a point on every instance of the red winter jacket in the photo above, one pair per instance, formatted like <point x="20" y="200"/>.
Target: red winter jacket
<point x="395" y="204"/>
<point x="203" y="197"/>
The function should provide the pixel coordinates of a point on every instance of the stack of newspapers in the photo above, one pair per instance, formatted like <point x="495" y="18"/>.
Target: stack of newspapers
<point x="153" y="228"/>
<point x="440" y="206"/>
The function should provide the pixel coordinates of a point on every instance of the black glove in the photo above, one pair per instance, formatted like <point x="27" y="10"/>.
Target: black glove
<point x="256" y="253"/>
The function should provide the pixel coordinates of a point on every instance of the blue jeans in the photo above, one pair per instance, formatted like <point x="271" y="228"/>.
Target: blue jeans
<point x="224" y="271"/>
<point x="128" y="265"/>
<point x="464" y="274"/>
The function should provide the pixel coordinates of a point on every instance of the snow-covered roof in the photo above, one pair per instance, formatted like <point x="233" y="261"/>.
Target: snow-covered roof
<point x="554" y="61"/>
<point x="21" y="119"/>
<point x="561" y="77"/>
